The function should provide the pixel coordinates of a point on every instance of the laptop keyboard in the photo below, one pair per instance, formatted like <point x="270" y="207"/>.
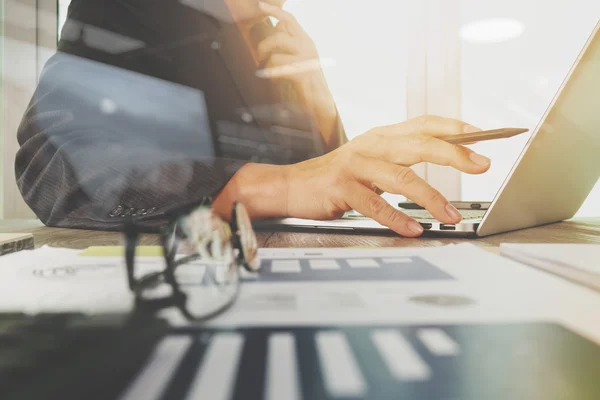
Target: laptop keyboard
<point x="100" y="354"/>
<point x="425" y="216"/>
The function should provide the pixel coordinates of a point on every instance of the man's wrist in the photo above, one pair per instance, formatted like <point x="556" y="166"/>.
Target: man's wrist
<point x="261" y="188"/>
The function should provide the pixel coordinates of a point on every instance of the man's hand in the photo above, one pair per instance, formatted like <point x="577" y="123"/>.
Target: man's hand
<point x="347" y="178"/>
<point x="291" y="54"/>
<point x="289" y="47"/>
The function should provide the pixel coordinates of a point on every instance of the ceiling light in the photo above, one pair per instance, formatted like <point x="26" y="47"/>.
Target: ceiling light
<point x="492" y="30"/>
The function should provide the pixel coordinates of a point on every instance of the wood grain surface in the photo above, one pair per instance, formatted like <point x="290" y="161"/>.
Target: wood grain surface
<point x="586" y="230"/>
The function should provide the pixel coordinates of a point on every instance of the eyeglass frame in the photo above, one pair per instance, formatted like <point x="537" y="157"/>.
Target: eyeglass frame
<point x="179" y="298"/>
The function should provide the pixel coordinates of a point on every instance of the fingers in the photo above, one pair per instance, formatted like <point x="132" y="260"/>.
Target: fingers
<point x="278" y="60"/>
<point x="410" y="150"/>
<point x="281" y="42"/>
<point x="437" y="126"/>
<point x="403" y="180"/>
<point x="431" y="125"/>
<point x="368" y="203"/>
<point x="432" y="150"/>
<point x="284" y="17"/>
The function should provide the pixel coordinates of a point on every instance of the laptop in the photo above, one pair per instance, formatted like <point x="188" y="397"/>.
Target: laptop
<point x="553" y="176"/>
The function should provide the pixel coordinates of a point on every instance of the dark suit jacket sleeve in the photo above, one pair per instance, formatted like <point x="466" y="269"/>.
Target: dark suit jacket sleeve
<point x="92" y="152"/>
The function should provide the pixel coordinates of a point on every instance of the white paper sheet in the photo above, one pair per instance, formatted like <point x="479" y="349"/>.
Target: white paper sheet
<point x="52" y="279"/>
<point x="585" y="257"/>
<point x="461" y="284"/>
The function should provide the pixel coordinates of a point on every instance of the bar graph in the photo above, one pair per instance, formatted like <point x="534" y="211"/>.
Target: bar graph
<point x="347" y="269"/>
<point x="481" y="361"/>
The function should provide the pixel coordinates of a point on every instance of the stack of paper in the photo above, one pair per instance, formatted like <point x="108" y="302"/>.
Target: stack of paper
<point x="576" y="262"/>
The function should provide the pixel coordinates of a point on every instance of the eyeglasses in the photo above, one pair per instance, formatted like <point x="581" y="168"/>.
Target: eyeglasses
<point x="203" y="256"/>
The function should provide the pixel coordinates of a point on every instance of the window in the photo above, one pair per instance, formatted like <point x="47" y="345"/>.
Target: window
<point x="63" y="7"/>
<point x="20" y="53"/>
<point x="514" y="59"/>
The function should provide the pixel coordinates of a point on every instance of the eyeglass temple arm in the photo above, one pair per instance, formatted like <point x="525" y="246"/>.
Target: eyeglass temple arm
<point x="131" y="241"/>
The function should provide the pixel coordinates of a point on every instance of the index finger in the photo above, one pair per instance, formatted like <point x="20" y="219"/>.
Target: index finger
<point x="431" y="125"/>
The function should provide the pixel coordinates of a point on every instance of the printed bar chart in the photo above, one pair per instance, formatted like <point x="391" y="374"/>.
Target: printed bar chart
<point x="467" y="362"/>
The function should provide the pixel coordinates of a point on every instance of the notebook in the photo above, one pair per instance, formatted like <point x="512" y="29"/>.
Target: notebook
<point x="12" y="242"/>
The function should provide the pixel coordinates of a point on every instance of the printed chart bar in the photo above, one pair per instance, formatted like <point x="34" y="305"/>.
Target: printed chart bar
<point x="324" y="264"/>
<point x="341" y="373"/>
<point x="215" y="378"/>
<point x="151" y="383"/>
<point x="397" y="260"/>
<point x="363" y="263"/>
<point x="282" y="380"/>
<point x="402" y="360"/>
<point x="286" y="266"/>
<point x="438" y="342"/>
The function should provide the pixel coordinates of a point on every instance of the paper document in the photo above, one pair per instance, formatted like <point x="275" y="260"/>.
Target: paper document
<point x="50" y="279"/>
<point x="585" y="257"/>
<point x="454" y="323"/>
<point x="346" y="323"/>
<point x="578" y="263"/>
<point x="311" y="287"/>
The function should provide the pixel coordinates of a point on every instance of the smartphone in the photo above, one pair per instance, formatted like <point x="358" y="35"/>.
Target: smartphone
<point x="483" y="136"/>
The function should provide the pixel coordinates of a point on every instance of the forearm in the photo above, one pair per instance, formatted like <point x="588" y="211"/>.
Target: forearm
<point x="261" y="188"/>
<point x="80" y="167"/>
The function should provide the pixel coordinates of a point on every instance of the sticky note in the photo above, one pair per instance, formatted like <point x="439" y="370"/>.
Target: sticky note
<point x="119" y="251"/>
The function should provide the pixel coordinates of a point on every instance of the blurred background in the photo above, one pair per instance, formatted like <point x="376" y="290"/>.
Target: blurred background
<point x="492" y="64"/>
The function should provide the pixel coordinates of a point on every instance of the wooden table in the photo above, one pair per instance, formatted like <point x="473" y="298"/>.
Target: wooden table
<point x="586" y="230"/>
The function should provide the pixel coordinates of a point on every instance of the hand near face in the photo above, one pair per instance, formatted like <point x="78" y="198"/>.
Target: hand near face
<point x="292" y="55"/>
<point x="241" y="10"/>
<point x="290" y="46"/>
